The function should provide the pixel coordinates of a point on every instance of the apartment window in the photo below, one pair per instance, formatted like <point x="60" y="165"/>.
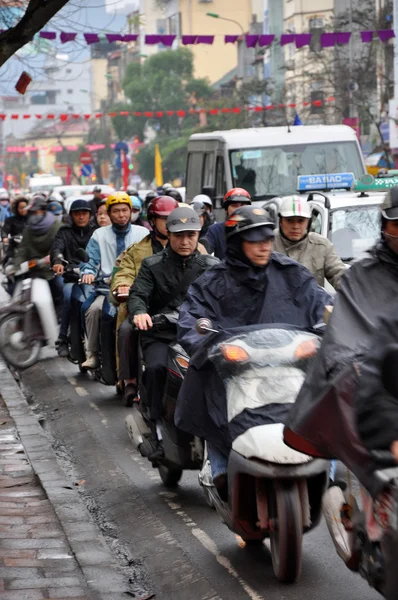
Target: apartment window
<point x="317" y="95"/>
<point x="70" y="91"/>
<point x="316" y="27"/>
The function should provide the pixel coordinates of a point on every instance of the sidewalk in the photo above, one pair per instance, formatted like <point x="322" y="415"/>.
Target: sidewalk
<point x="36" y="560"/>
<point x="50" y="548"/>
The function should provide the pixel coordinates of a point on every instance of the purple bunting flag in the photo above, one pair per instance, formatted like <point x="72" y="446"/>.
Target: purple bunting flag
<point x="328" y="40"/>
<point x="265" y="40"/>
<point x="91" y="38"/>
<point x="343" y="37"/>
<point x="151" y="40"/>
<point x="168" y="40"/>
<point x="366" y="36"/>
<point x="251" y="40"/>
<point x="130" y="37"/>
<point x="386" y="34"/>
<point x="303" y="39"/>
<point x="205" y="39"/>
<point x="187" y="40"/>
<point x="114" y="37"/>
<point x="287" y="38"/>
<point x="48" y="35"/>
<point x="231" y="39"/>
<point x="67" y="37"/>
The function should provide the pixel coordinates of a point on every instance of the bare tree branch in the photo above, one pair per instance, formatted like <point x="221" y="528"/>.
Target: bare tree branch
<point x="37" y="14"/>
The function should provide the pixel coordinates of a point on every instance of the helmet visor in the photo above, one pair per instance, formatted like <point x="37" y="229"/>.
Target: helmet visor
<point x="258" y="234"/>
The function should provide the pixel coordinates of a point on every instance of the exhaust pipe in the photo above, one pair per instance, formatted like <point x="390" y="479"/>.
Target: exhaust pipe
<point x="137" y="429"/>
<point x="333" y="500"/>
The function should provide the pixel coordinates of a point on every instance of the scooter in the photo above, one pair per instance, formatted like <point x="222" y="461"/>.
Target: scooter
<point x="106" y="372"/>
<point x="181" y="450"/>
<point x="273" y="492"/>
<point x="29" y="321"/>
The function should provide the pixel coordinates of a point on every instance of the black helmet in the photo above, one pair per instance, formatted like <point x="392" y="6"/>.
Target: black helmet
<point x="96" y="189"/>
<point x="389" y="208"/>
<point x="132" y="191"/>
<point x="253" y="224"/>
<point x="80" y="204"/>
<point x="174" y="193"/>
<point x="150" y="197"/>
<point x="183" y="219"/>
<point x="39" y="202"/>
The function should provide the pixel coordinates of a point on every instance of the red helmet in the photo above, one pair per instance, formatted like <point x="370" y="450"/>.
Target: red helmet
<point x="162" y="206"/>
<point x="236" y="195"/>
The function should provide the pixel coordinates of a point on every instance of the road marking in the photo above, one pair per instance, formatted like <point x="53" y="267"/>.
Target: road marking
<point x="210" y="545"/>
<point x="72" y="380"/>
<point x="81" y="391"/>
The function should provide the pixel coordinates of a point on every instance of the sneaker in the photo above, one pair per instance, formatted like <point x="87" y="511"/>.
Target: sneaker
<point x="92" y="362"/>
<point x="62" y="347"/>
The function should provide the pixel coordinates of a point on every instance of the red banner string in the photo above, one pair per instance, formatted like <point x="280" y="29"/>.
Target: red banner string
<point x="170" y="113"/>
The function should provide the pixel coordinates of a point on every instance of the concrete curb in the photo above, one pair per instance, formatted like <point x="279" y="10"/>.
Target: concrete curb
<point x="102" y="574"/>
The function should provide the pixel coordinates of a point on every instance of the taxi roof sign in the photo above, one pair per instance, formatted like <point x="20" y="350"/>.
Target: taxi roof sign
<point x="325" y="181"/>
<point x="368" y="183"/>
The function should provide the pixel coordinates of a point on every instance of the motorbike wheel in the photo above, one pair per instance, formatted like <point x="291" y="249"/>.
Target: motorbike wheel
<point x="18" y="352"/>
<point x="287" y="533"/>
<point x="170" y="477"/>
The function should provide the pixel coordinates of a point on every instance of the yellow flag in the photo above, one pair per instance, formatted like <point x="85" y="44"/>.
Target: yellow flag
<point x="158" y="167"/>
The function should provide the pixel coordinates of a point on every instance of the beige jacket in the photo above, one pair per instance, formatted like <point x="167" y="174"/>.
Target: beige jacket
<point x="316" y="253"/>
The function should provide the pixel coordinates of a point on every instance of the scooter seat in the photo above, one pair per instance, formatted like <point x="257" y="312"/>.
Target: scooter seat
<point x="265" y="442"/>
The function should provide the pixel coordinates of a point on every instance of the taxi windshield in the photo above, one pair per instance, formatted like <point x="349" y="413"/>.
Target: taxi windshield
<point x="353" y="230"/>
<point x="273" y="171"/>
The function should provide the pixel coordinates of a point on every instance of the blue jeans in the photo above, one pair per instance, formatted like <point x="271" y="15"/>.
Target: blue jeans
<point x="65" y="317"/>
<point x="218" y="461"/>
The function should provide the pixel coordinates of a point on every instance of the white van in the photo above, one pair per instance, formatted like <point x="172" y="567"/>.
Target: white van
<point x="44" y="183"/>
<point x="267" y="161"/>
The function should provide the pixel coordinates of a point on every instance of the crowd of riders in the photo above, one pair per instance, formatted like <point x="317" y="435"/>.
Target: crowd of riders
<point x="162" y="254"/>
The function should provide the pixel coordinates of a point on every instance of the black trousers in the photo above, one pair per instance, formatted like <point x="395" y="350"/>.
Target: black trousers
<point x="127" y="346"/>
<point x="156" y="358"/>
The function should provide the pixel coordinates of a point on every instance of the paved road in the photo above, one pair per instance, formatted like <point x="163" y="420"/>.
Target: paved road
<point x="175" y="544"/>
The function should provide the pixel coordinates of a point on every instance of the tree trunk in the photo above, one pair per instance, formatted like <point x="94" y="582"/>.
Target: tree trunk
<point x="37" y="14"/>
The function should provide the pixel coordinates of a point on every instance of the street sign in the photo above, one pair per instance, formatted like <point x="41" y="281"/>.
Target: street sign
<point x="86" y="158"/>
<point x="86" y="170"/>
<point x="327" y="181"/>
<point x="368" y="183"/>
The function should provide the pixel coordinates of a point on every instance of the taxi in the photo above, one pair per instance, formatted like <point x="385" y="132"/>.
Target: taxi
<point x="345" y="210"/>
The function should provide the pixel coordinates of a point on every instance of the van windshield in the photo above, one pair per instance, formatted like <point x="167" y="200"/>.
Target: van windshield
<point x="273" y="171"/>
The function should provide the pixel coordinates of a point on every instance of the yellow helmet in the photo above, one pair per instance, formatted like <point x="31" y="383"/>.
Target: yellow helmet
<point x="118" y="198"/>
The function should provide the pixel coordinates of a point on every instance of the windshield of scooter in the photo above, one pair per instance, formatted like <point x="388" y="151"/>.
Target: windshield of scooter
<point x="263" y="371"/>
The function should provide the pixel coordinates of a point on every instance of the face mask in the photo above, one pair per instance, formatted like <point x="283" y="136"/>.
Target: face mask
<point x="392" y="241"/>
<point x="134" y="216"/>
<point x="35" y="219"/>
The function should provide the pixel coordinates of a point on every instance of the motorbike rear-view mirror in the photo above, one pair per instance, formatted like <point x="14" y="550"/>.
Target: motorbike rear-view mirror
<point x="204" y="326"/>
<point x="82" y="255"/>
<point x="389" y="372"/>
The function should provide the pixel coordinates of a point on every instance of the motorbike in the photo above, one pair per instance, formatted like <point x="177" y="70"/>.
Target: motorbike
<point x="273" y="491"/>
<point x="350" y="522"/>
<point x="7" y="252"/>
<point x="29" y="321"/>
<point x="181" y="450"/>
<point x="106" y="372"/>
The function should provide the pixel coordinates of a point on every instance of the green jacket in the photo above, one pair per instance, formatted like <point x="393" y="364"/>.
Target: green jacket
<point x="37" y="246"/>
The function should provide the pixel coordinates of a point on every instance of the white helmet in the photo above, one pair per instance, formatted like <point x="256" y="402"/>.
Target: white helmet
<point x="202" y="198"/>
<point x="295" y="206"/>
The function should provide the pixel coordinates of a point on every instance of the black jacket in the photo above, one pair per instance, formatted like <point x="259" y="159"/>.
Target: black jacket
<point x="158" y="288"/>
<point x="68" y="239"/>
<point x="232" y="295"/>
<point x="14" y="226"/>
<point x="342" y="408"/>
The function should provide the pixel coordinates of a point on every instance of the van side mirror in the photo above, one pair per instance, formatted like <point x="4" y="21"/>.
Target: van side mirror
<point x="389" y="372"/>
<point x="210" y="191"/>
